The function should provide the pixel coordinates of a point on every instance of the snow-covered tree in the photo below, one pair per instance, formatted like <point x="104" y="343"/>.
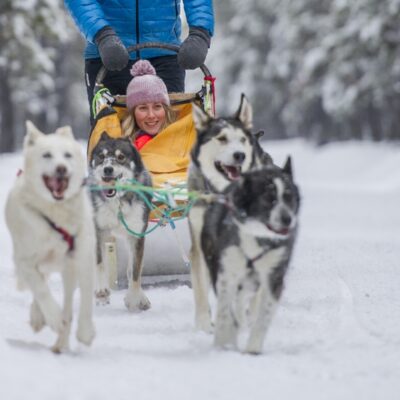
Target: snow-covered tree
<point x="31" y="31"/>
<point x="325" y="69"/>
<point x="239" y="52"/>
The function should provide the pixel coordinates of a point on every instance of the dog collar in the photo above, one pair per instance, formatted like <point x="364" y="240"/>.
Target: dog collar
<point x="65" y="234"/>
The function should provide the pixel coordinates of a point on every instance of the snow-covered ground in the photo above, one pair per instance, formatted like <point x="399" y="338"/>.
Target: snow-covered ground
<point x="336" y="334"/>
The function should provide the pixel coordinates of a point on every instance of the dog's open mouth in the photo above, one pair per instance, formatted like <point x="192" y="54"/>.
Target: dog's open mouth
<point x="109" y="192"/>
<point x="232" y="172"/>
<point x="284" y="231"/>
<point x="57" y="185"/>
<point x="111" y="179"/>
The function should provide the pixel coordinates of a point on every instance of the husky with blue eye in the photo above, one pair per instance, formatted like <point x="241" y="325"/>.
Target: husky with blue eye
<point x="111" y="161"/>
<point x="247" y="240"/>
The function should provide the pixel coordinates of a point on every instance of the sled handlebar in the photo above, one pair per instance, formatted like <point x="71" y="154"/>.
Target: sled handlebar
<point x="150" y="45"/>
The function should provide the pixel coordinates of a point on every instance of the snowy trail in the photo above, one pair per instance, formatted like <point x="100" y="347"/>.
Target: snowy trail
<point x="336" y="334"/>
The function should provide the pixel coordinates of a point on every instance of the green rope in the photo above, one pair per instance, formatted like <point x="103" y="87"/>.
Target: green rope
<point x="160" y="195"/>
<point x="137" y="234"/>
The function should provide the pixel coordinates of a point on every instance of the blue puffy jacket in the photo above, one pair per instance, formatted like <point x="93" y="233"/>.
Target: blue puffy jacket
<point x="139" y="21"/>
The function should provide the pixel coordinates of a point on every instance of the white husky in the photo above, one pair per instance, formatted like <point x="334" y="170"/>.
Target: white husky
<point x="49" y="216"/>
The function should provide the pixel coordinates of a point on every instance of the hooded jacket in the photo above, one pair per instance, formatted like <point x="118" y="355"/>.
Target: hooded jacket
<point x="139" y="21"/>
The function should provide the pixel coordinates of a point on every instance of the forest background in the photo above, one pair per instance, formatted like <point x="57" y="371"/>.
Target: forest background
<point x="324" y="70"/>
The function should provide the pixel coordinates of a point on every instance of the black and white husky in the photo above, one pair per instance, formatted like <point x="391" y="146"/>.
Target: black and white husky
<point x="116" y="160"/>
<point x="247" y="240"/>
<point x="223" y="151"/>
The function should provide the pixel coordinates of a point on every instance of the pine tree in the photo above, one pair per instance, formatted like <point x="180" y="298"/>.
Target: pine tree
<point x="30" y="32"/>
<point x="323" y="69"/>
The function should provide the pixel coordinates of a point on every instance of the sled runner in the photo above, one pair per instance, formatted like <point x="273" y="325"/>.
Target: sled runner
<point x="166" y="156"/>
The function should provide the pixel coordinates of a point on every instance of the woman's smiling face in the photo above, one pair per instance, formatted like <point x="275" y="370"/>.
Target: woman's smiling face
<point x="150" y="117"/>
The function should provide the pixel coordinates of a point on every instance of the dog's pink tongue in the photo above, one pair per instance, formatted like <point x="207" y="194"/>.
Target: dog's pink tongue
<point x="233" y="173"/>
<point x="57" y="185"/>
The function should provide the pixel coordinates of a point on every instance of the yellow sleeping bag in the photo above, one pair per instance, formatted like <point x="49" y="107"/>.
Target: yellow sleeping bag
<point x="167" y="156"/>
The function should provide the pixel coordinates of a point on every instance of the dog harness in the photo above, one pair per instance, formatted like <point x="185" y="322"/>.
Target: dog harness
<point x="65" y="234"/>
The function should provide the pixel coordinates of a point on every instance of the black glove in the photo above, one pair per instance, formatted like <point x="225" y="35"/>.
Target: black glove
<point x="112" y="51"/>
<point x="193" y="50"/>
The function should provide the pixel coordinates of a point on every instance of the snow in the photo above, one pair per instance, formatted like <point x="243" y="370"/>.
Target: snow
<point x="335" y="336"/>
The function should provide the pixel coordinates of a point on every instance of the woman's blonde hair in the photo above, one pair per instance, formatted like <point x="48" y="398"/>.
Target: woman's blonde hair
<point x="130" y="128"/>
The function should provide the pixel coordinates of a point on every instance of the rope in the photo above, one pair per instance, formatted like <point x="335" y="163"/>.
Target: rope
<point x="121" y="218"/>
<point x="163" y="196"/>
<point x="166" y="218"/>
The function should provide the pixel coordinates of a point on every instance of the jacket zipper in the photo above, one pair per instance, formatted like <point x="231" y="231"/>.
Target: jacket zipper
<point x="177" y="16"/>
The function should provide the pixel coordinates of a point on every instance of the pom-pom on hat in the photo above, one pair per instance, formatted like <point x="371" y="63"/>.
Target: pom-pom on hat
<point x="146" y="86"/>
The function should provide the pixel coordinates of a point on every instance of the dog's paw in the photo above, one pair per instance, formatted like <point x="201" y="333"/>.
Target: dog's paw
<point x="62" y="343"/>
<point x="57" y="349"/>
<point x="225" y="338"/>
<point x="204" y="324"/>
<point x="54" y="319"/>
<point x="252" y="349"/>
<point x="86" y="332"/>
<point x="37" y="320"/>
<point x="102" y="297"/>
<point x="136" y="301"/>
<point x="254" y="344"/>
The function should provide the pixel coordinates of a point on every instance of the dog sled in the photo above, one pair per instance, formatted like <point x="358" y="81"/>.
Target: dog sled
<point x="167" y="158"/>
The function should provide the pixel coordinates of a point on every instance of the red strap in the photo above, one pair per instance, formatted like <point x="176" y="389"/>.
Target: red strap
<point x="65" y="235"/>
<point x="212" y="79"/>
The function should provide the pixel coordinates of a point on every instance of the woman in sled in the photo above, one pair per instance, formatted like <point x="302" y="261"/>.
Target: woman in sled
<point x="148" y="108"/>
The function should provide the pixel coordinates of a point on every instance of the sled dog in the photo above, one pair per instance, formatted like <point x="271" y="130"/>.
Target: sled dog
<point x="223" y="151"/>
<point x="116" y="160"/>
<point x="247" y="240"/>
<point x="49" y="216"/>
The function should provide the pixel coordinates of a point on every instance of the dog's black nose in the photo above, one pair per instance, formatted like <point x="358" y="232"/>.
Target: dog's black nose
<point x="239" y="156"/>
<point x="108" y="170"/>
<point x="286" y="219"/>
<point x="61" y="170"/>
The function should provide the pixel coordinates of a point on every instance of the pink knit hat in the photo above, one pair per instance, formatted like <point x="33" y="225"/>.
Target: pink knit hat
<point x="146" y="86"/>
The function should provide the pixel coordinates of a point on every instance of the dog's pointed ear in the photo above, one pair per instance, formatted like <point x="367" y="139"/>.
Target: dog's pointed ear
<point x="32" y="134"/>
<point x="200" y="117"/>
<point x="104" y="136"/>
<point x="287" y="168"/>
<point x="245" y="113"/>
<point x="259" y="134"/>
<point x="65" y="131"/>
